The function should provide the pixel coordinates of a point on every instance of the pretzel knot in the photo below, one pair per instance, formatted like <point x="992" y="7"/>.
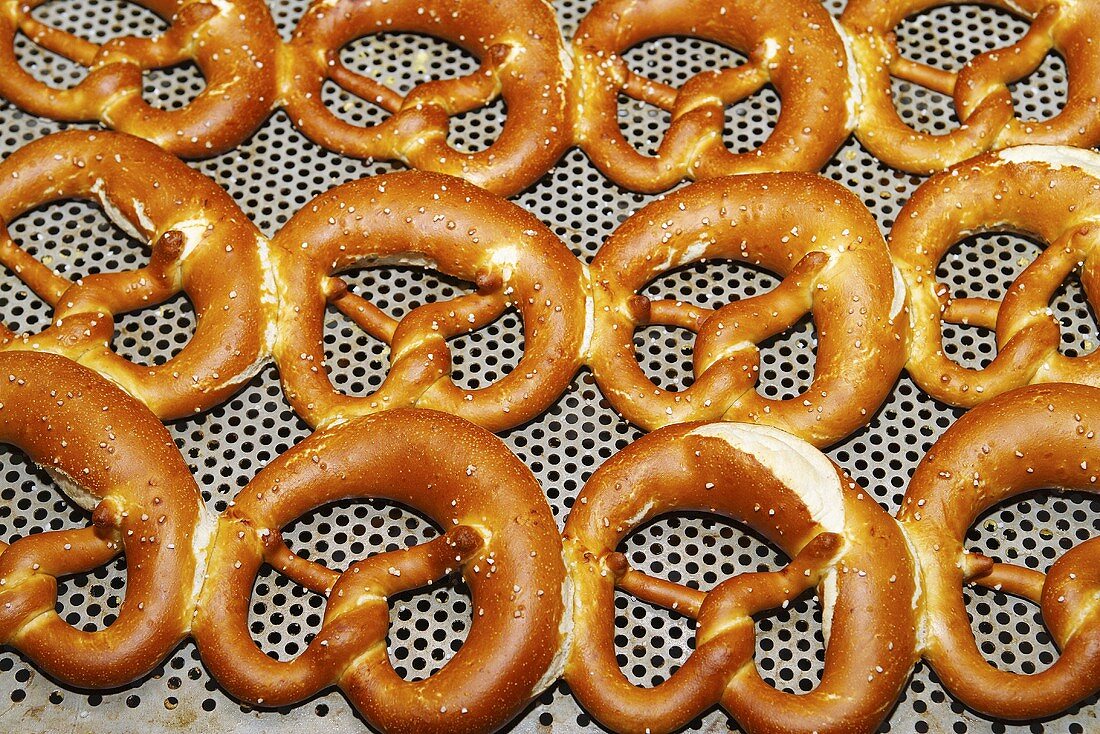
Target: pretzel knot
<point x="839" y="540"/>
<point x="1050" y="192"/>
<point x="233" y="43"/>
<point x="1033" y="438"/>
<point x="445" y="223"/>
<point x="980" y="88"/>
<point x="525" y="64"/>
<point x="500" y="535"/>
<point x="114" y="459"/>
<point x="835" y="265"/>
<point x="793" y="46"/>
<point x="201" y="244"/>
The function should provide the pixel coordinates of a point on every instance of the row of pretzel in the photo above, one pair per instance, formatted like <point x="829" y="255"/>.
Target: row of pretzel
<point x="876" y="308"/>
<point x="832" y="77"/>
<point x="890" y="589"/>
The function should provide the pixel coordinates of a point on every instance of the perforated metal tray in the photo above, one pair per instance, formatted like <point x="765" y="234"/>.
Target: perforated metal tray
<point x="277" y="171"/>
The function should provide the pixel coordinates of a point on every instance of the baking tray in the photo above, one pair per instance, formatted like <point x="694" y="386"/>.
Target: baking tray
<point x="277" y="171"/>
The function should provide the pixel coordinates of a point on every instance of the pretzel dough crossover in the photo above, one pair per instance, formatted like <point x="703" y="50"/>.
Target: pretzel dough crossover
<point x="980" y="88"/>
<point x="824" y="243"/>
<point x="1047" y="191"/>
<point x="233" y="42"/>
<point x="201" y="244"/>
<point x="114" y="459"/>
<point x="1032" y="438"/>
<point x="499" y="533"/>
<point x="839" y="541"/>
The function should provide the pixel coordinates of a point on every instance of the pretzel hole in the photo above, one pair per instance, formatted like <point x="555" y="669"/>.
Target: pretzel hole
<point x="672" y="61"/>
<point x="154" y="335"/>
<point x="427" y="625"/>
<point x="1032" y="530"/>
<point x="693" y="549"/>
<point x="399" y="61"/>
<point x="96" y="19"/>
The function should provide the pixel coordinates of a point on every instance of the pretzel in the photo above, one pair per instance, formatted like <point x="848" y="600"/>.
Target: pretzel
<point x="1050" y="192"/>
<point x="500" y="534"/>
<point x="980" y="88"/>
<point x="233" y="42"/>
<point x="1035" y="437"/>
<point x="114" y="459"/>
<point x="201" y="244"/>
<point x="793" y="45"/>
<point x="839" y="541"/>
<point x="444" y="223"/>
<point x="524" y="62"/>
<point x="824" y="243"/>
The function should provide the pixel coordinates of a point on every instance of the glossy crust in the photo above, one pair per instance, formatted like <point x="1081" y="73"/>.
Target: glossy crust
<point x="201" y="244"/>
<point x="1052" y="193"/>
<point x="983" y="101"/>
<point x="828" y="249"/>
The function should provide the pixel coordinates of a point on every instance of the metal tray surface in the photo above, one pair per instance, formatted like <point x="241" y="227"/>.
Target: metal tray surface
<point x="277" y="171"/>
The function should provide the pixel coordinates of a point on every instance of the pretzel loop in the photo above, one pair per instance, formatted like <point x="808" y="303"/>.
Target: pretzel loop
<point x="444" y="223"/>
<point x="839" y="540"/>
<point x="202" y="245"/>
<point x="117" y="461"/>
<point x="1049" y="192"/>
<point x="835" y="266"/>
<point x="231" y="41"/>
<point x="500" y="535"/>
<point x="995" y="452"/>
<point x="528" y="69"/>
<point x="794" y="47"/>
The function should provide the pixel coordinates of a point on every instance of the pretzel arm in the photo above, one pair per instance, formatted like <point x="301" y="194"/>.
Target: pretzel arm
<point x="363" y="87"/>
<point x="48" y="285"/>
<point x="311" y="575"/>
<point x="362" y="312"/>
<point x="666" y="594"/>
<point x="980" y="312"/>
<point x="65" y="44"/>
<point x="929" y="77"/>
<point x="667" y="312"/>
<point x="647" y="90"/>
<point x="1015" y="580"/>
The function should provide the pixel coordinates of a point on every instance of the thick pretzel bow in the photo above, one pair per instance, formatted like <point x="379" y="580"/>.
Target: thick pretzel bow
<point x="523" y="60"/>
<point x="794" y="46"/>
<point x="499" y="534"/>
<point x="445" y="223"/>
<point x="980" y="88"/>
<point x="1033" y="438"/>
<point x="201" y="244"/>
<point x="828" y="249"/>
<point x="114" y="459"/>
<point x="1047" y="191"/>
<point x="233" y="42"/>
<point x="839" y="540"/>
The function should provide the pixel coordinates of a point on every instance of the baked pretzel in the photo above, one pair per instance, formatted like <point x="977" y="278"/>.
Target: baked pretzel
<point x="523" y="60"/>
<point x="980" y="88"/>
<point x="440" y="222"/>
<point x="793" y="45"/>
<point x="499" y="534"/>
<point x="1033" y="438"/>
<point x="114" y="459"/>
<point x="824" y="243"/>
<point x="233" y="42"/>
<point x="1047" y="191"/>
<point x="201" y="244"/>
<point x="839" y="540"/>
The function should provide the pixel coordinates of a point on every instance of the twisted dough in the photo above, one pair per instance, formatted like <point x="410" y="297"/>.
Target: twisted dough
<point x="980" y="88"/>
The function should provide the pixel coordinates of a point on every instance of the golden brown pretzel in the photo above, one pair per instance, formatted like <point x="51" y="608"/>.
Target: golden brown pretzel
<point x="810" y="230"/>
<point x="980" y="88"/>
<point x="499" y="534"/>
<point x="839" y="541"/>
<point x="1048" y="191"/>
<point x="113" y="458"/>
<point x="441" y="222"/>
<point x="1033" y="438"/>
<point x="202" y="244"/>
<point x="793" y="46"/>
<point x="233" y="42"/>
<point x="523" y="60"/>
